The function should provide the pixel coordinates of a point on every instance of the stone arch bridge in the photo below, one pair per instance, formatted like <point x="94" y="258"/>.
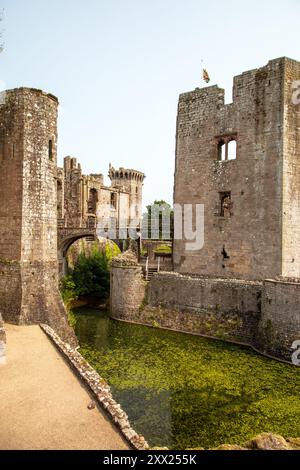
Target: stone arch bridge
<point x="66" y="236"/>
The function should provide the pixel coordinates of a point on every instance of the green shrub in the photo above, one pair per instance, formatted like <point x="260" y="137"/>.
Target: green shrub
<point x="68" y="291"/>
<point x="163" y="249"/>
<point x="91" y="275"/>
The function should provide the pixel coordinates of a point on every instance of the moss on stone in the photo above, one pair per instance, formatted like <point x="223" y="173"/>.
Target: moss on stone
<point x="126" y="259"/>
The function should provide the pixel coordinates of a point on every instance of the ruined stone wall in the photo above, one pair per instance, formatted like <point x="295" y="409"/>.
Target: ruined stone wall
<point x="84" y="199"/>
<point x="218" y="308"/>
<point x="105" y="209"/>
<point x="264" y="315"/>
<point x="193" y="293"/>
<point x="28" y="229"/>
<point x="245" y="242"/>
<point x="60" y="197"/>
<point x="279" y="325"/>
<point x="225" y="309"/>
<point x="291" y="176"/>
<point x="73" y="194"/>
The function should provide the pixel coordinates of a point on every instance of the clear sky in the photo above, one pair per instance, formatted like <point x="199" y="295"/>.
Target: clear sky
<point x="118" y="66"/>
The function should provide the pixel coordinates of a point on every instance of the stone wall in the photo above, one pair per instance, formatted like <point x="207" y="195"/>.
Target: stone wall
<point x="128" y="290"/>
<point x="264" y="315"/>
<point x="279" y="325"/>
<point x="2" y="342"/>
<point x="291" y="175"/>
<point x="217" y="308"/>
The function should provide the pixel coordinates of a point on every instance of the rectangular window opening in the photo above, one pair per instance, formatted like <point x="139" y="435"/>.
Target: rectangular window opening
<point x="50" y="150"/>
<point x="113" y="200"/>
<point x="227" y="148"/>
<point x="225" y="204"/>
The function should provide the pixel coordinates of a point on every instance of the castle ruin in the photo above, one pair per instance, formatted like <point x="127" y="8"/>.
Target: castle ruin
<point x="240" y="161"/>
<point x="45" y="208"/>
<point x="84" y="201"/>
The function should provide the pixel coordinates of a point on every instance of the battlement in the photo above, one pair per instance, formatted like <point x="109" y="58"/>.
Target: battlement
<point x="70" y="163"/>
<point x="245" y="86"/>
<point x="125" y="174"/>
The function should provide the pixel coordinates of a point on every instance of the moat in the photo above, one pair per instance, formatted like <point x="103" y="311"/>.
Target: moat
<point x="182" y="391"/>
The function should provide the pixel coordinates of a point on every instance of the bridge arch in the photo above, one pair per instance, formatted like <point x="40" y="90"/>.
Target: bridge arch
<point x="66" y="238"/>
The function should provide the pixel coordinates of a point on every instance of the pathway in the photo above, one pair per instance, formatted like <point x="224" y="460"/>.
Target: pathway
<point x="43" y="405"/>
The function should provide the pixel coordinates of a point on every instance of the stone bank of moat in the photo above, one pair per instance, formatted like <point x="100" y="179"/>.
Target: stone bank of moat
<point x="183" y="391"/>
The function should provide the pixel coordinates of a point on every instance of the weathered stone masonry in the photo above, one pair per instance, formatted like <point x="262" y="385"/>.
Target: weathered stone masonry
<point x="28" y="212"/>
<point x="260" y="314"/>
<point x="84" y="201"/>
<point x="241" y="161"/>
<point x="258" y="236"/>
<point x="44" y="209"/>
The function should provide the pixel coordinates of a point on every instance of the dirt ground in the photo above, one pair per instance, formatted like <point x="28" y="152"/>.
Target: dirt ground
<point x="43" y="405"/>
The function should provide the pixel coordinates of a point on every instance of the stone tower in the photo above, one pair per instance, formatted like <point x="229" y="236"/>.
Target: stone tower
<point x="131" y="181"/>
<point x="28" y="212"/>
<point x="241" y="161"/>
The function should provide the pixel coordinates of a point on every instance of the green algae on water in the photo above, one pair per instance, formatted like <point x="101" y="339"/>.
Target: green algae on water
<point x="183" y="391"/>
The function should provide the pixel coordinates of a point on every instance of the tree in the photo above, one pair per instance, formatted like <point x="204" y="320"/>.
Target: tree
<point x="91" y="275"/>
<point x="162" y="211"/>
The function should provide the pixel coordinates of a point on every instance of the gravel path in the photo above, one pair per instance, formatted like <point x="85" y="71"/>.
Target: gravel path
<point x="43" y="405"/>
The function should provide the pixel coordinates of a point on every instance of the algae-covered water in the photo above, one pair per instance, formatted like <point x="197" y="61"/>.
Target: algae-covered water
<point x="183" y="391"/>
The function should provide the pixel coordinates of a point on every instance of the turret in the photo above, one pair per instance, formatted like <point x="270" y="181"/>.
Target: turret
<point x="130" y="181"/>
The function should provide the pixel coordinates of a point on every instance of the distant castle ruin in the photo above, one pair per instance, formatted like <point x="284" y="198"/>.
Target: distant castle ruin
<point x="84" y="201"/>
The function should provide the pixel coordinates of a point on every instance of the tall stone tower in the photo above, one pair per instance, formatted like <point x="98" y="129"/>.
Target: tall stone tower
<point x="241" y="161"/>
<point x="28" y="211"/>
<point x="131" y="181"/>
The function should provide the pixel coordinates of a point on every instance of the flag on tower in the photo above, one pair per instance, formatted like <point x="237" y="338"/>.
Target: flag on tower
<point x="205" y="76"/>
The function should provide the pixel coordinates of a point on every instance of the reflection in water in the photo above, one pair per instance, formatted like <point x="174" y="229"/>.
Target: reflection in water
<point x="184" y="391"/>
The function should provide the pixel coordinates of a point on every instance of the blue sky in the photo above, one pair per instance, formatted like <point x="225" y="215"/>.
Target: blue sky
<point x="118" y="66"/>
